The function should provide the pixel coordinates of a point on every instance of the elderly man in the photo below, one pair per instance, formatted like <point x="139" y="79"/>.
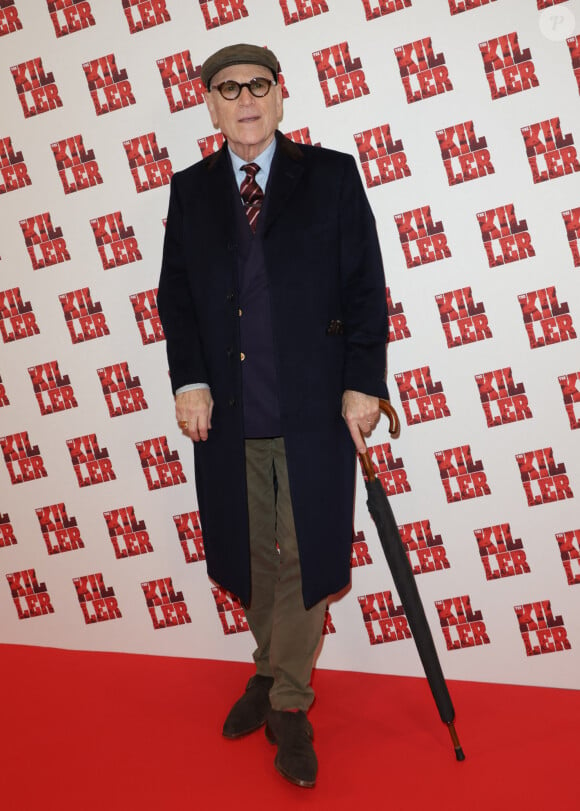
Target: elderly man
<point x="272" y="299"/>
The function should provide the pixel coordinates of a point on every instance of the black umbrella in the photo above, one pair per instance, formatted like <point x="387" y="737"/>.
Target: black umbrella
<point x="388" y="531"/>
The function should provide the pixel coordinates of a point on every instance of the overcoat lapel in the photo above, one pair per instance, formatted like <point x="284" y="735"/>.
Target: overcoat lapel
<point x="287" y="169"/>
<point x="220" y="198"/>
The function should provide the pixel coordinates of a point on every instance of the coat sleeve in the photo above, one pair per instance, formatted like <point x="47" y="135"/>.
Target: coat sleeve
<point x="363" y="289"/>
<point x="175" y="304"/>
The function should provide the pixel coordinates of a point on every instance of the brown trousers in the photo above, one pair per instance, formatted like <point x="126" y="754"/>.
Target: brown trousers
<point x="287" y="635"/>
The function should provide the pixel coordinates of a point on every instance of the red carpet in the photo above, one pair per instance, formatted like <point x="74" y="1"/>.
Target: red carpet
<point x="92" y="731"/>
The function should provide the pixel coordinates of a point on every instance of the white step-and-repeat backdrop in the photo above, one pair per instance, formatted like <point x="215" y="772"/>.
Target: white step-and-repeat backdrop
<point x="464" y="118"/>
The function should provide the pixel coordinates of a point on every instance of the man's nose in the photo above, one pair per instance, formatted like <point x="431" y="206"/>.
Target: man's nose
<point x="245" y="95"/>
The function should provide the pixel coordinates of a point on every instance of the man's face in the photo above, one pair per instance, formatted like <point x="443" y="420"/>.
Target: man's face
<point x="247" y="122"/>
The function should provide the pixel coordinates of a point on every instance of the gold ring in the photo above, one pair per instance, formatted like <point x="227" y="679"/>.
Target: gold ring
<point x="183" y="424"/>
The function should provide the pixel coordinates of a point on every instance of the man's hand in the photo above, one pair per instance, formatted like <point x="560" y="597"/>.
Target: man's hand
<point x="361" y="414"/>
<point x="193" y="412"/>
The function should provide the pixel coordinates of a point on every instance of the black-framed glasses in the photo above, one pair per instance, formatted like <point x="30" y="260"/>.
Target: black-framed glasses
<point x="258" y="87"/>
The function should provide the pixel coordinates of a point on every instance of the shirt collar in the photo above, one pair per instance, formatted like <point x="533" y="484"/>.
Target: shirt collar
<point x="264" y="161"/>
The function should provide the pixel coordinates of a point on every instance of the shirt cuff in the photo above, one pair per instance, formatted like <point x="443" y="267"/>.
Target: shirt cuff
<point x="191" y="387"/>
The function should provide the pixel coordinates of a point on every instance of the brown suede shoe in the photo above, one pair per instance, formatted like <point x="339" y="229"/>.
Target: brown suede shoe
<point x="295" y="759"/>
<point x="250" y="711"/>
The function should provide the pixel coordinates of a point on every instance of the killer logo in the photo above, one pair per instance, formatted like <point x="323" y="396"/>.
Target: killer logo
<point x="188" y="528"/>
<point x="389" y="470"/>
<point x="181" y="81"/>
<point x="97" y="601"/>
<point x="543" y="480"/>
<point x="501" y="555"/>
<point x="37" y="90"/>
<point x="23" y="461"/>
<point x="123" y="392"/>
<point x="360" y="555"/>
<point x="377" y="150"/>
<point x="210" y="144"/>
<point x="541" y="631"/>
<point x="31" y="598"/>
<point x="422" y="240"/>
<point x="222" y="12"/>
<point x="459" y="6"/>
<point x="9" y="19"/>
<point x="90" y="462"/>
<point x="150" y="166"/>
<point x="77" y="168"/>
<point x="572" y="222"/>
<point x="53" y="392"/>
<point x="465" y="156"/>
<point x="569" y="545"/>
<point x="230" y="612"/>
<point x="546" y="321"/>
<point x="422" y="400"/>
<point x="380" y="8"/>
<point x="147" y="316"/>
<point x="341" y="78"/>
<point x="17" y="320"/>
<point x="502" y="400"/>
<point x="115" y="241"/>
<point x="504" y="238"/>
<point x="128" y="535"/>
<point x="398" y="329"/>
<point x="384" y="622"/>
<point x="423" y="73"/>
<point x="7" y="536"/>
<point x="508" y="69"/>
<point x="144" y="14"/>
<point x="109" y="87"/>
<point x="463" y="321"/>
<point x="161" y="467"/>
<point x="45" y="243"/>
<point x="295" y="11"/>
<point x="425" y="551"/>
<point x="461" y="477"/>
<point x="84" y="318"/>
<point x="550" y="154"/>
<point x="167" y="608"/>
<point x="60" y="533"/>
<point x="462" y="627"/>
<point x="70" y="16"/>
<point x="570" y="385"/>
<point x="13" y="169"/>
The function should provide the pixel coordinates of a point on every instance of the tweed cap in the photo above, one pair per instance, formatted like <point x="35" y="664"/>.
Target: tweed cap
<point x="241" y="54"/>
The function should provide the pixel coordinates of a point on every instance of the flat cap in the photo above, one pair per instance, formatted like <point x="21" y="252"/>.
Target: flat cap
<point x="241" y="54"/>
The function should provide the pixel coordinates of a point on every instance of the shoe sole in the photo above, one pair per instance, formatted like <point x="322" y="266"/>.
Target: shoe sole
<point x="234" y="735"/>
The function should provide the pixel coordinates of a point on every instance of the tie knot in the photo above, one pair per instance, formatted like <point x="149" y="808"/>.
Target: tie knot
<point x="251" y="169"/>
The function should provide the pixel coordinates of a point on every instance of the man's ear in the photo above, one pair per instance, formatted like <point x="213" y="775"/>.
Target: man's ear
<point x="208" y="98"/>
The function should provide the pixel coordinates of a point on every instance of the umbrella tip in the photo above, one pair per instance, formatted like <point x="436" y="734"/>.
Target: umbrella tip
<point x="459" y="754"/>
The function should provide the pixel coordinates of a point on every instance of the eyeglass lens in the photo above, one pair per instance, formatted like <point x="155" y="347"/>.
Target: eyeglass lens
<point x="258" y="87"/>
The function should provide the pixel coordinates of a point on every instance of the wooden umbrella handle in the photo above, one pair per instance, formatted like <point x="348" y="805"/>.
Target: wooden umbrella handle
<point x="394" y="428"/>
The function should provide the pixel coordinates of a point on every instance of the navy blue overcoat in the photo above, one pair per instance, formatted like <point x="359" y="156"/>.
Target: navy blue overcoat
<point x="324" y="264"/>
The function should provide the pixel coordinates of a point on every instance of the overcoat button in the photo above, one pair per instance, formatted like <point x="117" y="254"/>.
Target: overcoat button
<point x="230" y="295"/>
<point x="231" y="402"/>
<point x="242" y="356"/>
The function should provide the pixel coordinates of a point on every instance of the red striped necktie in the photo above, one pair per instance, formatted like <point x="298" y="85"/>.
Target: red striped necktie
<point x="252" y="194"/>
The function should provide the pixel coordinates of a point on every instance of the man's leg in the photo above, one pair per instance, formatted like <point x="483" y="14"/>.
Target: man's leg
<point x="249" y="712"/>
<point x="296" y="631"/>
